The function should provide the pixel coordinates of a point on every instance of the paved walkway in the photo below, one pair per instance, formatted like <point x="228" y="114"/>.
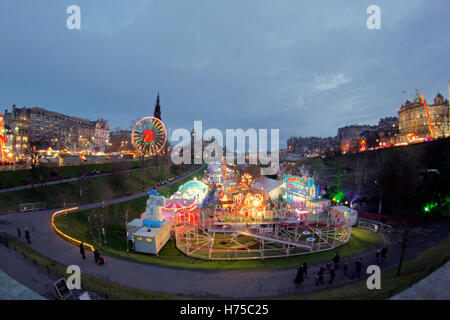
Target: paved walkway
<point x="184" y="282"/>
<point x="194" y="283"/>
<point x="31" y="287"/>
<point x="434" y="287"/>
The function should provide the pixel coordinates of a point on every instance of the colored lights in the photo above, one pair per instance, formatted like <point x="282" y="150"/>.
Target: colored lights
<point x="428" y="115"/>
<point x="149" y="135"/>
<point x="429" y="207"/>
<point x="78" y="242"/>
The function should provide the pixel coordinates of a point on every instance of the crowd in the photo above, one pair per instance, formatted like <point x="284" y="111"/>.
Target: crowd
<point x="335" y="265"/>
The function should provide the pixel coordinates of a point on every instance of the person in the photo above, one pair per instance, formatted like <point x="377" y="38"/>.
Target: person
<point x="332" y="275"/>
<point x="327" y="267"/>
<point x="336" y="260"/>
<point x="19" y="234"/>
<point x="384" y="253"/>
<point x="358" y="268"/>
<point x="101" y="259"/>
<point x="345" y="268"/>
<point x="82" y="250"/>
<point x="299" y="277"/>
<point x="378" y="255"/>
<point x="96" y="256"/>
<point x="320" y="276"/>
<point x="27" y="235"/>
<point x="305" y="269"/>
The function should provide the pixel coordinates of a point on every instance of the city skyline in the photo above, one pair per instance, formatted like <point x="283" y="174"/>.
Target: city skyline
<point x="123" y="56"/>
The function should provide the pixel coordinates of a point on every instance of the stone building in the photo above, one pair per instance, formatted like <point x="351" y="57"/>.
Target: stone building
<point x="120" y="140"/>
<point x="349" y="137"/>
<point x="101" y="135"/>
<point x="44" y="129"/>
<point x="414" y="123"/>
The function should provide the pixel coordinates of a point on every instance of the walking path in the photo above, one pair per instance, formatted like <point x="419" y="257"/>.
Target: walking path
<point x="434" y="287"/>
<point x="186" y="282"/>
<point x="32" y="284"/>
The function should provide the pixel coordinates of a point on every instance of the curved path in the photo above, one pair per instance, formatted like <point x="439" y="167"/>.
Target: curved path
<point x="183" y="282"/>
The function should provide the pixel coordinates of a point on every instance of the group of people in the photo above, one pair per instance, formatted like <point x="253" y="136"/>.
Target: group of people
<point x="334" y="265"/>
<point x="98" y="257"/>
<point x="27" y="234"/>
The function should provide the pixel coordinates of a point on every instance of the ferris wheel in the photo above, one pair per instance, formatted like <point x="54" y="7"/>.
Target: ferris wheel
<point x="149" y="135"/>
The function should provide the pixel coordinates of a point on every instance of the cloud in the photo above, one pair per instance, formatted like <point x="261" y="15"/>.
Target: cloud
<point x="331" y="82"/>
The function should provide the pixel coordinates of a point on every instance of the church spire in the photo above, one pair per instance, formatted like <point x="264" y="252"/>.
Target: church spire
<point x="157" y="113"/>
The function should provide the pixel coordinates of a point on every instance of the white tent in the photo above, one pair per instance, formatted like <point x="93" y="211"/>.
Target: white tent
<point x="270" y="187"/>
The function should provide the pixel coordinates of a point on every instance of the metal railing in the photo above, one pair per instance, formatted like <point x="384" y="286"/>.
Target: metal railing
<point x="25" y="207"/>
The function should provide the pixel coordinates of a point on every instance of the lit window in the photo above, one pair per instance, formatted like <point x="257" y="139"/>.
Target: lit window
<point x="148" y="239"/>
<point x="139" y="238"/>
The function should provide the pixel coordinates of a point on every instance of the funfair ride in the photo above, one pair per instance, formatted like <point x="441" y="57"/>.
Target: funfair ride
<point x="249" y="225"/>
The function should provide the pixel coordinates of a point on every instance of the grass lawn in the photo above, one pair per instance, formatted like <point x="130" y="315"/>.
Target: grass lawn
<point x="412" y="271"/>
<point x="94" y="189"/>
<point x="9" y="179"/>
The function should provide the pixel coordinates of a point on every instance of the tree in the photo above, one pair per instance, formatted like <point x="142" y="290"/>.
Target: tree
<point x="399" y="185"/>
<point x="358" y="181"/>
<point x="82" y="178"/>
<point x="34" y="156"/>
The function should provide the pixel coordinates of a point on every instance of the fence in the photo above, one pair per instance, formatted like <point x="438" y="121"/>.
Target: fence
<point x="373" y="225"/>
<point x="24" y="207"/>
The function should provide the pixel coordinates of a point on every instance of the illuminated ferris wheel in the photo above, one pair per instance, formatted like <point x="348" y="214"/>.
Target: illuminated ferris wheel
<point x="149" y="135"/>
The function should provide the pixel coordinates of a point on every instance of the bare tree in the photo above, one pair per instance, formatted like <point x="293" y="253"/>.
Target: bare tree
<point x="82" y="178"/>
<point x="34" y="156"/>
<point x="399" y="184"/>
<point x="358" y="181"/>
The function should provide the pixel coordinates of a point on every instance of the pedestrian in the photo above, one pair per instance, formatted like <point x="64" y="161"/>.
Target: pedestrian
<point x="332" y="275"/>
<point x="345" y="268"/>
<point x="378" y="255"/>
<point x="358" y="268"/>
<point x="384" y="252"/>
<point x="319" y="276"/>
<point x="299" y="277"/>
<point x="19" y="234"/>
<point x="96" y="256"/>
<point x="82" y="250"/>
<point x="27" y="235"/>
<point x="336" y="260"/>
<point x="305" y="270"/>
<point x="328" y="266"/>
<point x="101" y="259"/>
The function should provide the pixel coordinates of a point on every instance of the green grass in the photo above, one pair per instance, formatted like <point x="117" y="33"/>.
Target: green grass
<point x="9" y="179"/>
<point x="94" y="189"/>
<point x="102" y="288"/>
<point x="413" y="270"/>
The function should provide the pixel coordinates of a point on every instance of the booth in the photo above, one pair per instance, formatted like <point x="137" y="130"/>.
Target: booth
<point x="150" y="233"/>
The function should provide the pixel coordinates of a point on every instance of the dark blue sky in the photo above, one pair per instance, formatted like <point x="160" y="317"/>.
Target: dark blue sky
<point x="306" y="67"/>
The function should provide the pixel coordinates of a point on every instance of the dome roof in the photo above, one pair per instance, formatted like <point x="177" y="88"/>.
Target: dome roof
<point x="193" y="184"/>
